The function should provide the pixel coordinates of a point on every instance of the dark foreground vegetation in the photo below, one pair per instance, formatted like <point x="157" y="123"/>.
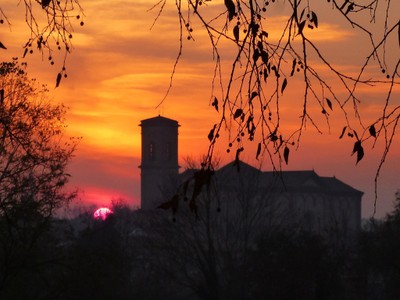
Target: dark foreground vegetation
<point x="144" y="255"/>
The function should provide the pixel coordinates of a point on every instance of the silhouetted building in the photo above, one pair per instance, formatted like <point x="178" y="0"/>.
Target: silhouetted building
<point x="296" y="199"/>
<point x="159" y="166"/>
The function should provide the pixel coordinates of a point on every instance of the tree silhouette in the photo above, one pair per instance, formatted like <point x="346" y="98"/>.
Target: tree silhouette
<point x="33" y="159"/>
<point x="49" y="28"/>
<point x="249" y="94"/>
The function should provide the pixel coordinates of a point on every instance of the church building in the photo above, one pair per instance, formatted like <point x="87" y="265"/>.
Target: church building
<point x="298" y="199"/>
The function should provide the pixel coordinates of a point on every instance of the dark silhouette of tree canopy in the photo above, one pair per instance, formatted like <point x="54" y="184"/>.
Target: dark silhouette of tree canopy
<point x="34" y="154"/>
<point x="248" y="97"/>
<point x="249" y="93"/>
<point x="49" y="28"/>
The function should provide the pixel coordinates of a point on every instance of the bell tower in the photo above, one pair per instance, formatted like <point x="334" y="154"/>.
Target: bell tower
<point x="159" y="165"/>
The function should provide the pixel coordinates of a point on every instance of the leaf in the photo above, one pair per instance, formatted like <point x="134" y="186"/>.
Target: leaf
<point x="301" y="27"/>
<point x="372" y="131"/>
<point x="237" y="159"/>
<point x="314" y="19"/>
<point x="236" y="33"/>
<point x="302" y="13"/>
<point x="329" y="103"/>
<point x="286" y="154"/>
<point x="359" y="150"/>
<point x="238" y="113"/>
<point x="25" y="52"/>
<point x="1" y="96"/>
<point x="215" y="103"/>
<point x="265" y="74"/>
<point x="253" y="95"/>
<point x="256" y="55"/>
<point x="260" y="45"/>
<point x="2" y="46"/>
<point x="294" y="63"/>
<point x="343" y="131"/>
<point x="45" y="3"/>
<point x="59" y="76"/>
<point x="360" y="154"/>
<point x="258" y="150"/>
<point x="211" y="133"/>
<point x="254" y="28"/>
<point x="171" y="204"/>
<point x="264" y="33"/>
<point x="264" y="57"/>
<point x="231" y="9"/>
<point x="284" y="84"/>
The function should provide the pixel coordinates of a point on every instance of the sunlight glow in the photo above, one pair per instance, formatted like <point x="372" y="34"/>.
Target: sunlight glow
<point x="102" y="213"/>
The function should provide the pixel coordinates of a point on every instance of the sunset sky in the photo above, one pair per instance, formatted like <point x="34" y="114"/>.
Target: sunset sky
<point x="119" y="71"/>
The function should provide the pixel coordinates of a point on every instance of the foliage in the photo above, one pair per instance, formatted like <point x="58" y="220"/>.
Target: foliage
<point x="33" y="158"/>
<point x="50" y="28"/>
<point x="249" y="92"/>
<point x="249" y="95"/>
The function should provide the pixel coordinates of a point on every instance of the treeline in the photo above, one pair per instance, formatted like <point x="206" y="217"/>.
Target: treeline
<point x="145" y="255"/>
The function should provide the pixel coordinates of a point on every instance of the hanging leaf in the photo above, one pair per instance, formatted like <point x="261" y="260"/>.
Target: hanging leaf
<point x="264" y="57"/>
<point x="329" y="103"/>
<point x="258" y="150"/>
<point x="253" y="95"/>
<point x="294" y="63"/>
<point x="215" y="103"/>
<point x="25" y="52"/>
<point x="314" y="19"/>
<point x="236" y="33"/>
<point x="254" y="28"/>
<point x="343" y="131"/>
<point x="264" y="33"/>
<point x="260" y="45"/>
<point x="372" y="131"/>
<point x="302" y="13"/>
<point x="301" y="27"/>
<point x="171" y="204"/>
<point x="1" y="96"/>
<point x="230" y="6"/>
<point x="286" y="154"/>
<point x="236" y="163"/>
<point x="265" y="74"/>
<point x="211" y="133"/>
<point x="238" y="113"/>
<point x="59" y="76"/>
<point x="359" y="150"/>
<point x="2" y="46"/>
<point x="256" y="55"/>
<point x="45" y="3"/>
<point x="284" y="84"/>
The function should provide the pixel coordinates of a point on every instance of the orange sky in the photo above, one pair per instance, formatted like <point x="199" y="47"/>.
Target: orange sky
<point x="119" y="71"/>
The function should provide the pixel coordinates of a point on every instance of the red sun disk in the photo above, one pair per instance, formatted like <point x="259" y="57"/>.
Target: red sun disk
<point x="102" y="213"/>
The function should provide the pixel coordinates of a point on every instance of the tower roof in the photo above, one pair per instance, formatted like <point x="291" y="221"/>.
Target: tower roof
<point x="159" y="121"/>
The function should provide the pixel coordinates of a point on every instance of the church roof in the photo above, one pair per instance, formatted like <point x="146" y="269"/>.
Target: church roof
<point x="309" y="181"/>
<point x="290" y="181"/>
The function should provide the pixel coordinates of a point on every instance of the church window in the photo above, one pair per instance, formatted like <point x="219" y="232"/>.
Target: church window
<point x="152" y="152"/>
